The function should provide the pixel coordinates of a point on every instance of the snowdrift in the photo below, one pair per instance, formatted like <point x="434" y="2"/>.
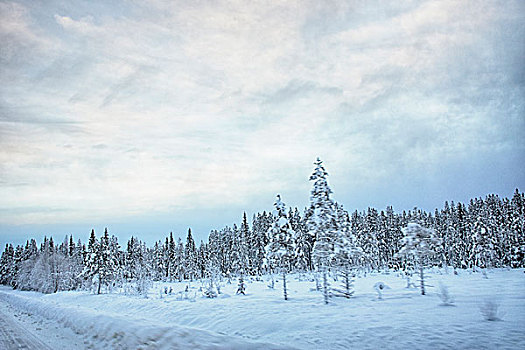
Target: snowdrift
<point x="113" y="332"/>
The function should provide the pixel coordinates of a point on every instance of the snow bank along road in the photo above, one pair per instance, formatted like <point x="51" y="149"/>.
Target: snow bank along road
<point x="22" y="330"/>
<point x="13" y="336"/>
<point x="72" y="327"/>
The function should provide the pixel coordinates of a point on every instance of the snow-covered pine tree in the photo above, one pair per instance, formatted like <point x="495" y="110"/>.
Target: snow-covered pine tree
<point x="190" y="257"/>
<point x="347" y="254"/>
<point x="71" y="246"/>
<point x="439" y="226"/>
<point x="394" y="234"/>
<point x="101" y="263"/>
<point x="482" y="247"/>
<point x="419" y="243"/>
<point x="202" y="259"/>
<point x="212" y="269"/>
<point x="239" y="256"/>
<point x="92" y="260"/>
<point x="51" y="243"/>
<point x="382" y="242"/>
<point x="321" y="223"/>
<point x="256" y="243"/>
<point x="108" y="262"/>
<point x="261" y="225"/>
<point x="118" y="259"/>
<point x="303" y="247"/>
<point x="214" y="253"/>
<point x="67" y="269"/>
<point x="226" y="253"/>
<point x="6" y="265"/>
<point x="64" y="246"/>
<point x="166" y="259"/>
<point x="76" y="263"/>
<point x="131" y="260"/>
<point x="46" y="273"/>
<point x="171" y="262"/>
<point x="506" y="241"/>
<point x="517" y="229"/>
<point x="252" y="247"/>
<point x="179" y="265"/>
<point x="460" y="241"/>
<point x="496" y="223"/>
<point x="309" y="236"/>
<point x="245" y="235"/>
<point x="18" y="262"/>
<point x="280" y="249"/>
<point x="28" y="261"/>
<point x="79" y="256"/>
<point x="145" y="270"/>
<point x="158" y="261"/>
<point x="356" y="228"/>
<point x="475" y="211"/>
<point x="241" y="287"/>
<point x="367" y="239"/>
<point x="448" y="235"/>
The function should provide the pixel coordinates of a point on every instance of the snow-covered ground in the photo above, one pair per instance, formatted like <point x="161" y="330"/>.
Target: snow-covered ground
<point x="27" y="330"/>
<point x="403" y="319"/>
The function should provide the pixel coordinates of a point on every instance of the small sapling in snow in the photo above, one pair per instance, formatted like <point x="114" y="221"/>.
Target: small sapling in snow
<point x="379" y="288"/>
<point x="490" y="310"/>
<point x="241" y="287"/>
<point x="445" y="296"/>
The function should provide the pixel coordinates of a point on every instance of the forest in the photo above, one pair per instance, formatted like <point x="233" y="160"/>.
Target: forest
<point x="485" y="233"/>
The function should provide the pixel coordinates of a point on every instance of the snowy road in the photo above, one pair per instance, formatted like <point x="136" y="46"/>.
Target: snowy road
<point x="19" y="330"/>
<point x="13" y="335"/>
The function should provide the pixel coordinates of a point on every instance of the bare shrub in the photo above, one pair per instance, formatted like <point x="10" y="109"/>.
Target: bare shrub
<point x="490" y="310"/>
<point x="445" y="296"/>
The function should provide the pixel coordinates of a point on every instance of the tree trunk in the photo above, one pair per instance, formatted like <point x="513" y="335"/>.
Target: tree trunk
<point x="347" y="283"/>
<point x="284" y="286"/>
<point x="422" y="280"/>
<point x="325" y="287"/>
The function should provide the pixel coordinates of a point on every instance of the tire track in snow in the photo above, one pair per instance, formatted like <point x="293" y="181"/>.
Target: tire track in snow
<point x="13" y="335"/>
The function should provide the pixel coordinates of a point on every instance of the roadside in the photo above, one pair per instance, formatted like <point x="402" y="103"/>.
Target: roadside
<point x="22" y="330"/>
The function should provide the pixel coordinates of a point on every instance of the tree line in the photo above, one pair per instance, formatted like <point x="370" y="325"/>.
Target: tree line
<point x="324" y="237"/>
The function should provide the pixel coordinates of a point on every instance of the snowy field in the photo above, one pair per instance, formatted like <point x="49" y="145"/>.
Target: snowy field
<point x="402" y="319"/>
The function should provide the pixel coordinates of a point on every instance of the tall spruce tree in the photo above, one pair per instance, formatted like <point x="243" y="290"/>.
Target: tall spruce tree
<point x="190" y="257"/>
<point x="92" y="262"/>
<point x="6" y="265"/>
<point x="107" y="261"/>
<point x="322" y="224"/>
<point x="245" y="238"/>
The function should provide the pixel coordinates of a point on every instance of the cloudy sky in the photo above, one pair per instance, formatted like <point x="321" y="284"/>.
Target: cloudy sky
<point x="150" y="116"/>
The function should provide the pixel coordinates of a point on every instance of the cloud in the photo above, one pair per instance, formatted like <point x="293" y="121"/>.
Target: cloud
<point x="18" y="34"/>
<point x="83" y="26"/>
<point x="158" y="107"/>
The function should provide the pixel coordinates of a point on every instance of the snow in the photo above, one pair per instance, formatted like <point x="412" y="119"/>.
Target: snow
<point x="262" y="319"/>
<point x="24" y="330"/>
<point x="108" y="328"/>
